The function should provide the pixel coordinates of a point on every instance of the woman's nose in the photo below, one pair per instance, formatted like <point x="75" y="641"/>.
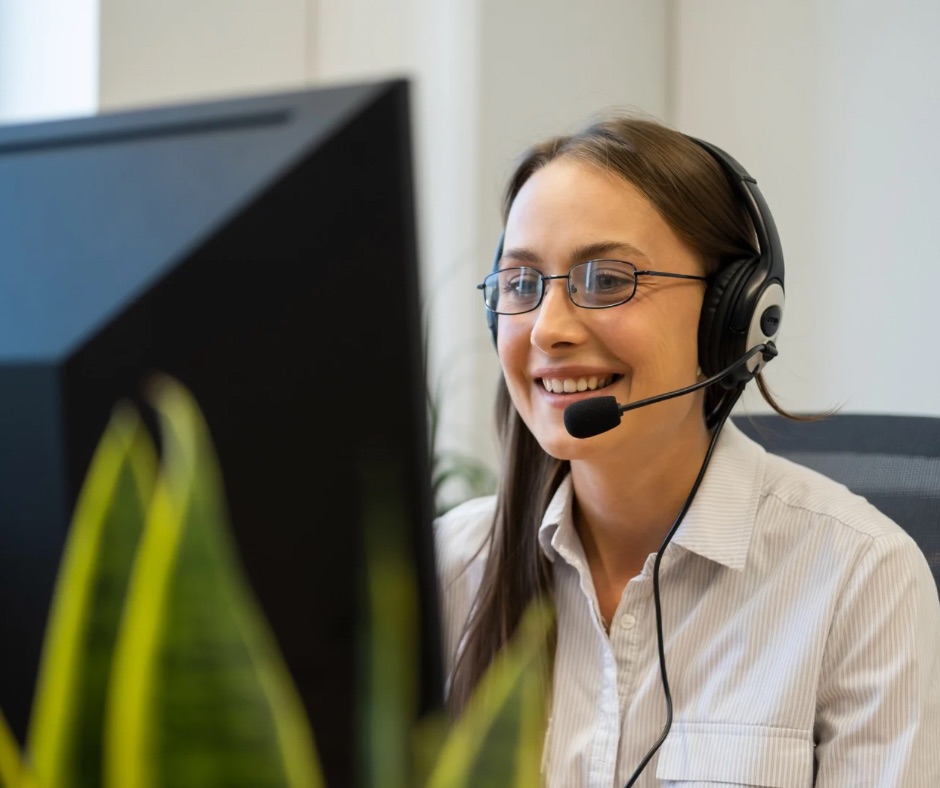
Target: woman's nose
<point x="556" y="319"/>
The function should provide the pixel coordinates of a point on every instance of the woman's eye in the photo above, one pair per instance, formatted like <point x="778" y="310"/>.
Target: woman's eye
<point x="607" y="281"/>
<point x="523" y="285"/>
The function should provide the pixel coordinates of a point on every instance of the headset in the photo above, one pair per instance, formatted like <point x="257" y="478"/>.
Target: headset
<point x="743" y="303"/>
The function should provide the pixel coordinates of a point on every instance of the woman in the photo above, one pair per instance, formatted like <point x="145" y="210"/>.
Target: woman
<point x="723" y="616"/>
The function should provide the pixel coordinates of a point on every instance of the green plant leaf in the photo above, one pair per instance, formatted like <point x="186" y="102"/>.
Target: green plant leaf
<point x="67" y="720"/>
<point x="498" y="739"/>
<point x="428" y="737"/>
<point x="200" y="695"/>
<point x="11" y="764"/>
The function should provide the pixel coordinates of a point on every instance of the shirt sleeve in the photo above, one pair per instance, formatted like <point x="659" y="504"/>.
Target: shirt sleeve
<point x="460" y="544"/>
<point x="878" y="716"/>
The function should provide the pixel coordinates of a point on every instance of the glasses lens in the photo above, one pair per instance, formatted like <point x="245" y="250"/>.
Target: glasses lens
<point x="512" y="290"/>
<point x="600" y="283"/>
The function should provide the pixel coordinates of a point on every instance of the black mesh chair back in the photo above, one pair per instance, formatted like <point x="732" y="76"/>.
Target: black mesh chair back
<point x="893" y="461"/>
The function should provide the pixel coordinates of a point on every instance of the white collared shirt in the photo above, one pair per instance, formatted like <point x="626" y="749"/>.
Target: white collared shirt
<point x="802" y="635"/>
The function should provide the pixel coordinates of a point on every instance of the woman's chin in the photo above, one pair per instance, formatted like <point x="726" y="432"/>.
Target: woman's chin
<point x="563" y="446"/>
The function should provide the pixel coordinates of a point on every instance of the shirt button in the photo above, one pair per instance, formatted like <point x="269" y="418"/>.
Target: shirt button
<point x="627" y="621"/>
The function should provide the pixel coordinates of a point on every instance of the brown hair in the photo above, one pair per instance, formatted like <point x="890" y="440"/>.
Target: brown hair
<point x="696" y="198"/>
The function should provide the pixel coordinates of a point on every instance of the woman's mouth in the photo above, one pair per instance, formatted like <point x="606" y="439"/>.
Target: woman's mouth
<point x="575" y="385"/>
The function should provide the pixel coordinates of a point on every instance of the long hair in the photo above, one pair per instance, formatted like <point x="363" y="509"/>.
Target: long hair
<point x="696" y="198"/>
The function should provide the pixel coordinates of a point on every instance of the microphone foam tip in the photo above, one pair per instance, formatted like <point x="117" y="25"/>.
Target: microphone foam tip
<point x="591" y="417"/>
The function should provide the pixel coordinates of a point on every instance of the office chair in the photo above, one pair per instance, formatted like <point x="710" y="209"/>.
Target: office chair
<point x="893" y="461"/>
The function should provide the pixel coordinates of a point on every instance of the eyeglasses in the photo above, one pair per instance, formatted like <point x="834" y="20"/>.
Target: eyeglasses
<point x="595" y="284"/>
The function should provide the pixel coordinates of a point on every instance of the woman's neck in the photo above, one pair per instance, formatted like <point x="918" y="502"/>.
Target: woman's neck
<point x="624" y="507"/>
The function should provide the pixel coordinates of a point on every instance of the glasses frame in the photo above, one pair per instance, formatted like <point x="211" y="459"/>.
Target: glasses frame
<point x="543" y="278"/>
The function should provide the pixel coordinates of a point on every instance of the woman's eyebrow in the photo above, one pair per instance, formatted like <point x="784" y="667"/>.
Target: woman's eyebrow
<point x="521" y="254"/>
<point x="591" y="251"/>
<point x="600" y="249"/>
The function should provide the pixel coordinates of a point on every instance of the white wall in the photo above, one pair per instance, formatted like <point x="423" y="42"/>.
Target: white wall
<point x="183" y="50"/>
<point x="833" y="105"/>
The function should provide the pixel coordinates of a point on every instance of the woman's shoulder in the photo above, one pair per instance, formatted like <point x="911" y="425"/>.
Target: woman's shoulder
<point x="798" y="488"/>
<point x="787" y="487"/>
<point x="460" y="537"/>
<point x="461" y="532"/>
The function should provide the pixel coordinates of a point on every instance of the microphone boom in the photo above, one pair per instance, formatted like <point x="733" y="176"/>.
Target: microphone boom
<point x="591" y="417"/>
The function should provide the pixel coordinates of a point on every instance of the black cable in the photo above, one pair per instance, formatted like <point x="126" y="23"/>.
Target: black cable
<point x="727" y="406"/>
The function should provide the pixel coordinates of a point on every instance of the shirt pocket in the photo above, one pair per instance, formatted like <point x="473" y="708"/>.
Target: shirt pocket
<point x="724" y="754"/>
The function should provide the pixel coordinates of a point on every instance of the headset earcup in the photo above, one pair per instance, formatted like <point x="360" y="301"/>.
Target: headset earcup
<point x="719" y="345"/>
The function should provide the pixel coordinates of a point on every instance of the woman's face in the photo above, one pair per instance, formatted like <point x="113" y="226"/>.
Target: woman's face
<point x="566" y="213"/>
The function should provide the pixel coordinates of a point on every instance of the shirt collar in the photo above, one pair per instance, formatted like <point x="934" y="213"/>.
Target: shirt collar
<point x="718" y="525"/>
<point x="557" y="514"/>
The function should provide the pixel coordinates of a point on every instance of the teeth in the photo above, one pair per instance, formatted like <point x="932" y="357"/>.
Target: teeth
<point x="570" y="385"/>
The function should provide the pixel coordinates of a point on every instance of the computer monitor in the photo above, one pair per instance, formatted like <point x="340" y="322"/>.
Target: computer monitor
<point x="262" y="250"/>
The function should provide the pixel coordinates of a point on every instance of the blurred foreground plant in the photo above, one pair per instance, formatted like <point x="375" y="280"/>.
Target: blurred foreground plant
<point x="159" y="668"/>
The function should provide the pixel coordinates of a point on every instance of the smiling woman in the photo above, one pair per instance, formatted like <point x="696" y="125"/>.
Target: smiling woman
<point x="645" y="347"/>
<point x="641" y="268"/>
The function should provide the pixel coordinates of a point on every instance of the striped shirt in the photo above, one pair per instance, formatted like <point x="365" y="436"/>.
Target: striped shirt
<point x="802" y="639"/>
